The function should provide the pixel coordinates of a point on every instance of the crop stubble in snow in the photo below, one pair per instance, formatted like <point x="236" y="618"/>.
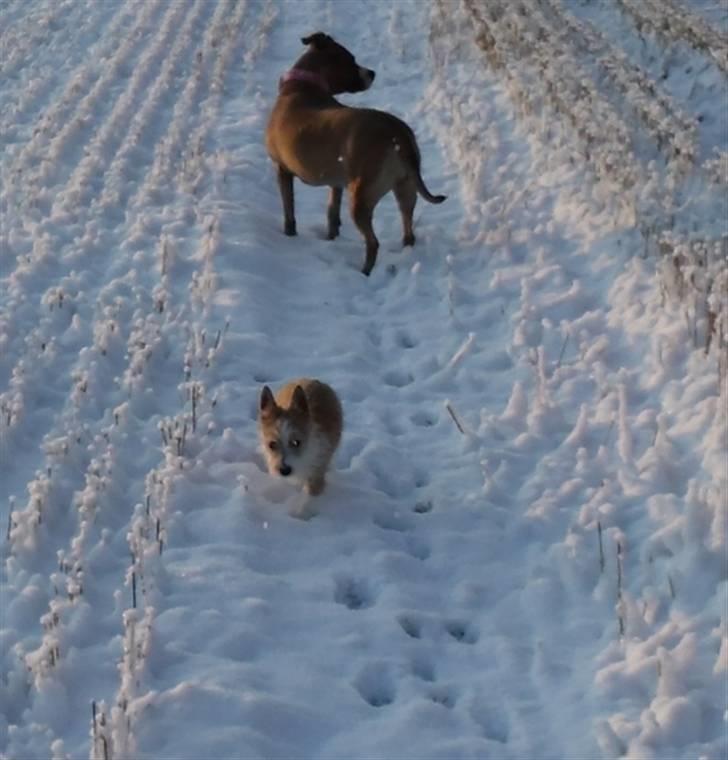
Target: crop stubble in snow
<point x="521" y="552"/>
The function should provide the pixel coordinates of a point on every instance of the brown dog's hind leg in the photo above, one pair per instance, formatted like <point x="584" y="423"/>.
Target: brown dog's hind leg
<point x="285" y="184"/>
<point x="405" y="191"/>
<point x="333" y="212"/>
<point x="361" y="213"/>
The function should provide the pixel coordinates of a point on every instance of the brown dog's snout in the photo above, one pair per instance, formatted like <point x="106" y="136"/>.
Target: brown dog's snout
<point x="367" y="77"/>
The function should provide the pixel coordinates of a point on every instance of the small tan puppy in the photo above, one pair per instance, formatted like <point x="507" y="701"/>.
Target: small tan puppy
<point x="300" y="428"/>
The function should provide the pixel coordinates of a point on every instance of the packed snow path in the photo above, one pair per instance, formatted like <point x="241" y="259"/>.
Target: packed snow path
<point x="522" y="549"/>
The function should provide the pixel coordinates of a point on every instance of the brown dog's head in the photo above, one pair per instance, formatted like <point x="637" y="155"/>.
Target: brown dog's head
<point x="284" y="432"/>
<point x="335" y="64"/>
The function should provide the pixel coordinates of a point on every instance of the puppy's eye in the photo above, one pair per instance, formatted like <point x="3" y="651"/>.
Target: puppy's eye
<point x="294" y="443"/>
<point x="273" y="445"/>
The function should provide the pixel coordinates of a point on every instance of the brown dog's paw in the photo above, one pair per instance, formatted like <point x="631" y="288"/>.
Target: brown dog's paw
<point x="289" y="228"/>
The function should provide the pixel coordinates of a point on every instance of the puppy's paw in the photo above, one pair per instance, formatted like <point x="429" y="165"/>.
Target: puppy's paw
<point x="303" y="514"/>
<point x="302" y="508"/>
<point x="315" y="486"/>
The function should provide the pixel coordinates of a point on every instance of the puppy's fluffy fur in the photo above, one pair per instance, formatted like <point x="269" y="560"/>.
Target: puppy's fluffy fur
<point x="299" y="429"/>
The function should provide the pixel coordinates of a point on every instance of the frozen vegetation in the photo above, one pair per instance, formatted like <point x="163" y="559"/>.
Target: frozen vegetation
<point x="522" y="549"/>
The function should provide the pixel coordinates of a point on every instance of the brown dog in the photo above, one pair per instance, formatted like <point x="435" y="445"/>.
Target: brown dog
<point x="312" y="136"/>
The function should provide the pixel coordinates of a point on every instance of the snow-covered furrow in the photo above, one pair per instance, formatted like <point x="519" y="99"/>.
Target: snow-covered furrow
<point x="132" y="110"/>
<point x="666" y="123"/>
<point x="676" y="24"/>
<point x="183" y="431"/>
<point x="171" y="149"/>
<point x="476" y="178"/>
<point x="76" y="387"/>
<point x="711" y="13"/>
<point x="47" y="244"/>
<point x="183" y="435"/>
<point x="678" y="71"/>
<point x="261" y="38"/>
<point x="85" y="527"/>
<point x="179" y="435"/>
<point x="40" y="22"/>
<point x="661" y="197"/>
<point x="682" y="209"/>
<point x="108" y="339"/>
<point x="66" y="125"/>
<point x="120" y="345"/>
<point x="541" y="76"/>
<point x="557" y="329"/>
<point x="189" y="170"/>
<point x="31" y="238"/>
<point x="716" y="169"/>
<point x="34" y="360"/>
<point x="184" y="145"/>
<point x="30" y="73"/>
<point x="148" y="124"/>
<point x="12" y="8"/>
<point x="515" y="476"/>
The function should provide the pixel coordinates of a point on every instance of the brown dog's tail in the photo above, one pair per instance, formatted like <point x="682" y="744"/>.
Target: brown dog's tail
<point x="414" y="161"/>
<point x="425" y="193"/>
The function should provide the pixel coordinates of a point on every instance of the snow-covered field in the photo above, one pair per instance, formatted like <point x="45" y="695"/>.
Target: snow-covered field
<point x="522" y="549"/>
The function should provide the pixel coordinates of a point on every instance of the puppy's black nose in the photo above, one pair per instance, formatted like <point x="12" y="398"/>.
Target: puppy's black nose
<point x="285" y="470"/>
<point x="372" y="74"/>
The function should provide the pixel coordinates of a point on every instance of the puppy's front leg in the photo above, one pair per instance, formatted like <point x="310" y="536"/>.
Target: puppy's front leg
<point x="303" y="507"/>
<point x="315" y="484"/>
<point x="285" y="183"/>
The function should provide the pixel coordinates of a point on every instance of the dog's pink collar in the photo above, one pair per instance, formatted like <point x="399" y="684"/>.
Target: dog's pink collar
<point x="301" y="75"/>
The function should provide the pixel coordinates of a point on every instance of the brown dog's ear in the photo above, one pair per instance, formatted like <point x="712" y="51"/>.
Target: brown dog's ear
<point x="299" y="402"/>
<point x="319" y="40"/>
<point x="267" y="402"/>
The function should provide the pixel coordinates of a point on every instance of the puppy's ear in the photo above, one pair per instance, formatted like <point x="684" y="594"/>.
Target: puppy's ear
<point x="319" y="40"/>
<point x="267" y="404"/>
<point x="299" y="402"/>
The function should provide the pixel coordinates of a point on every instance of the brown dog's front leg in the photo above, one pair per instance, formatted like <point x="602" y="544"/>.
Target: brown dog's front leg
<point x="333" y="212"/>
<point x="285" y="183"/>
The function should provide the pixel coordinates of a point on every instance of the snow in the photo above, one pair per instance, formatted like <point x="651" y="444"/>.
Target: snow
<point x="521" y="551"/>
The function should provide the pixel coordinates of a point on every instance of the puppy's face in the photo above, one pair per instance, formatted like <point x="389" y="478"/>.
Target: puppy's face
<point x="336" y="64"/>
<point x="284" y="433"/>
